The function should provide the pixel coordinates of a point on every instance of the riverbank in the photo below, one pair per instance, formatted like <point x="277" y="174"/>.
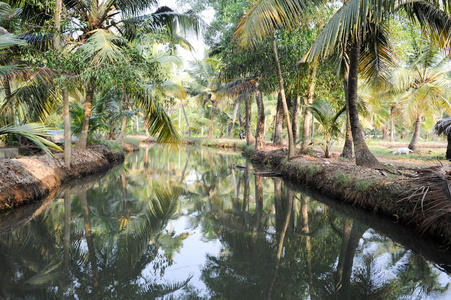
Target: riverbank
<point x="27" y="179"/>
<point x="417" y="198"/>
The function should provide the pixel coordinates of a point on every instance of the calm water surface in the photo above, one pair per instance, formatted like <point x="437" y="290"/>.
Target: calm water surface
<point x="189" y="225"/>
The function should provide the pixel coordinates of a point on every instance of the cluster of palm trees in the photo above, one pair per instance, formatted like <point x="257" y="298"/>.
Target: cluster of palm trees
<point x="98" y="55"/>
<point x="411" y="87"/>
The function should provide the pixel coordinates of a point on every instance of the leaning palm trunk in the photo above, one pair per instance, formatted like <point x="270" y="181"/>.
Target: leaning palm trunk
<point x="282" y="94"/>
<point x="416" y="134"/>
<point x="363" y="155"/>
<point x="307" y="114"/>
<point x="392" y="124"/>
<point x="88" y="110"/>
<point x="347" y="148"/>
<point x="260" y="134"/>
<point x="186" y="121"/>
<point x="120" y="138"/>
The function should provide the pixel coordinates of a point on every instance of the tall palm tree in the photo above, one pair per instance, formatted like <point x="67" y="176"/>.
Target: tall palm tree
<point x="345" y="33"/>
<point x="98" y="25"/>
<point x="263" y="20"/>
<point x="426" y="78"/>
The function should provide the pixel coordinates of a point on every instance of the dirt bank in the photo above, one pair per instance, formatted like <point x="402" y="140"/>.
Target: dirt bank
<point x="27" y="179"/>
<point x="419" y="199"/>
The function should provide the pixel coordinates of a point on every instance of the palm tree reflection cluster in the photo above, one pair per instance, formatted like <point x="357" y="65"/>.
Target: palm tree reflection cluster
<point x="117" y="239"/>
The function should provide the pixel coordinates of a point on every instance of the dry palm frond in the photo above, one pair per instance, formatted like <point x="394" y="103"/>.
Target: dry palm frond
<point x="246" y="87"/>
<point x="431" y="201"/>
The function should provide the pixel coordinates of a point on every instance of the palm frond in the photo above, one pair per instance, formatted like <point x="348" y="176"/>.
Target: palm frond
<point x="8" y="40"/>
<point x="266" y="16"/>
<point x="101" y="46"/>
<point x="34" y="132"/>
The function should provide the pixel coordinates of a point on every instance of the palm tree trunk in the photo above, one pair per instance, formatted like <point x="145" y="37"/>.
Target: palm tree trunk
<point x="212" y="118"/>
<point x="392" y="124"/>
<point x="235" y="112"/>
<point x="120" y="138"/>
<point x="88" y="110"/>
<point x="260" y="134"/>
<point x="363" y="155"/>
<point x="282" y="94"/>
<point x="307" y="113"/>
<point x="278" y="122"/>
<point x="8" y="95"/>
<point x="250" y="139"/>
<point x="65" y="94"/>
<point x="186" y="121"/>
<point x="294" y="114"/>
<point x="416" y="134"/>
<point x="347" y="148"/>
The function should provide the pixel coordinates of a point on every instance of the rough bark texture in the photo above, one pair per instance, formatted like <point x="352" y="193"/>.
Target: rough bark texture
<point x="347" y="147"/>
<point x="260" y="133"/>
<point x="186" y="121"/>
<point x="82" y="142"/>
<point x="212" y="117"/>
<point x="235" y="112"/>
<point x="363" y="155"/>
<point x="27" y="179"/>
<point x="392" y="124"/>
<point x="416" y="134"/>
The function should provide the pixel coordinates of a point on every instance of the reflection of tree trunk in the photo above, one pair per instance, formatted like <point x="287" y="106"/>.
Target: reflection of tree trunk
<point x="258" y="204"/>
<point x="237" y="106"/>
<point x="250" y="139"/>
<point x="146" y="158"/>
<point x="82" y="142"/>
<point x="341" y="259"/>
<point x="278" y="203"/>
<point x="89" y="238"/>
<point x="67" y="222"/>
<point x="277" y="137"/>
<point x="347" y="148"/>
<point x="186" y="165"/>
<point x="357" y="232"/>
<point x="260" y="121"/>
<point x="246" y="188"/>
<point x="281" y="240"/>
<point x="308" y="245"/>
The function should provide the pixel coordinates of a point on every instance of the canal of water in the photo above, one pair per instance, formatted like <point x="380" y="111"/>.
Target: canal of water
<point x="199" y="224"/>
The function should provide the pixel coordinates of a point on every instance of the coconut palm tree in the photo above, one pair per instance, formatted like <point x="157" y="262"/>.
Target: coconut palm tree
<point x="98" y="24"/>
<point x="426" y="78"/>
<point x="344" y="34"/>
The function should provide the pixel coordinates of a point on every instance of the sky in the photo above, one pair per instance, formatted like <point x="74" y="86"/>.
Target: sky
<point x="197" y="43"/>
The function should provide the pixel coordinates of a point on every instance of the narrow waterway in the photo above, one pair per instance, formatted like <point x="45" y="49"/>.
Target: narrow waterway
<point x="199" y="224"/>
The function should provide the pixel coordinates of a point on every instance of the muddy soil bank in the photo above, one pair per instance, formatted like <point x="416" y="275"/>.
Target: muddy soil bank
<point x="27" y="179"/>
<point x="420" y="201"/>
